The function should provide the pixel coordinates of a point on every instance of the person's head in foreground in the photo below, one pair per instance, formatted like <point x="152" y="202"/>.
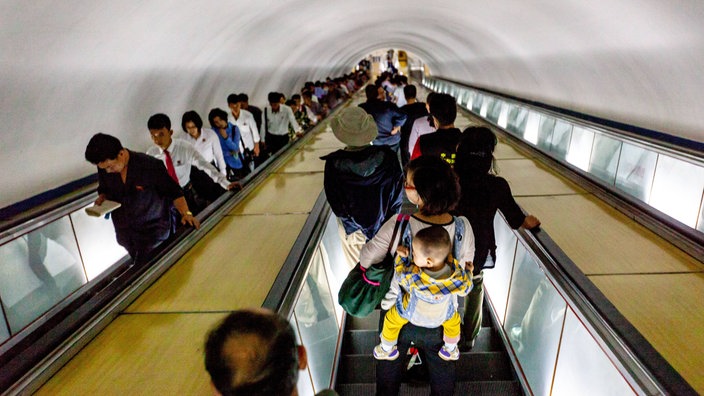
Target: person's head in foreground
<point x="254" y="352"/>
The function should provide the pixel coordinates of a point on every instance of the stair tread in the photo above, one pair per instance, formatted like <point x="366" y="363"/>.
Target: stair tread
<point x="481" y="388"/>
<point x="363" y="341"/>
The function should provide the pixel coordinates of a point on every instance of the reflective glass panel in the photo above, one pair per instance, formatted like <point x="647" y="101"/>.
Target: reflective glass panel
<point x="560" y="142"/>
<point x="583" y="368"/>
<point x="37" y="271"/>
<point x="534" y="319"/>
<point x="700" y="224"/>
<point x="477" y="103"/>
<point x="503" y="116"/>
<point x="580" y="151"/>
<point x="517" y="118"/>
<point x="531" y="132"/>
<point x="96" y="237"/>
<point x="636" y="168"/>
<point x="305" y="383"/>
<point x="677" y="189"/>
<point x="605" y="158"/>
<point x="317" y="323"/>
<point x="493" y="110"/>
<point x="497" y="279"/>
<point x="547" y="125"/>
<point x="470" y="100"/>
<point x="4" y="330"/>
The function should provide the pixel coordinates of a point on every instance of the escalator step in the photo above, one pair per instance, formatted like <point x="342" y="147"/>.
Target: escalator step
<point x="362" y="342"/>
<point x="480" y="388"/>
<point x="472" y="366"/>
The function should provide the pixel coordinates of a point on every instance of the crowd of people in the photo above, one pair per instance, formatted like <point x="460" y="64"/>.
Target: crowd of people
<point x="394" y="144"/>
<point x="448" y="242"/>
<point x="184" y="172"/>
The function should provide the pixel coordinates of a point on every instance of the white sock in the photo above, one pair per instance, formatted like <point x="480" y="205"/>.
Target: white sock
<point x="450" y="347"/>
<point x="386" y="346"/>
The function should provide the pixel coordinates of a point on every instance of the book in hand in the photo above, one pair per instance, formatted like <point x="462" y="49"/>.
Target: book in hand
<point x="101" y="210"/>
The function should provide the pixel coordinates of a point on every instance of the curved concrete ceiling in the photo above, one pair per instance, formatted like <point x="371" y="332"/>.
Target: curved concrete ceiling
<point x="73" y="68"/>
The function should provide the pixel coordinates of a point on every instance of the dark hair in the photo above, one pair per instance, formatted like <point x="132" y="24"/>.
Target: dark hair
<point x="444" y="108"/>
<point x="435" y="183"/>
<point x="296" y="96"/>
<point x="409" y="91"/>
<point x="159" y="121"/>
<point x="216" y="112"/>
<point x="191" y="116"/>
<point x="273" y="97"/>
<point x="372" y="91"/>
<point x="244" y="97"/>
<point x="102" y="147"/>
<point x="434" y="238"/>
<point x="233" y="99"/>
<point x="276" y="366"/>
<point x="475" y="152"/>
<point x="290" y="102"/>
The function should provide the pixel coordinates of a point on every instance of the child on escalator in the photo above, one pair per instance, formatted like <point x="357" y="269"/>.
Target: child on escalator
<point x="425" y="287"/>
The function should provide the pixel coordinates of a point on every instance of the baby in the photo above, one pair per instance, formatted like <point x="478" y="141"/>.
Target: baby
<point x="425" y="292"/>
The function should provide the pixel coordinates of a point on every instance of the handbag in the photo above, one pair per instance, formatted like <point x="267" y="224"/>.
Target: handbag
<point x="363" y="289"/>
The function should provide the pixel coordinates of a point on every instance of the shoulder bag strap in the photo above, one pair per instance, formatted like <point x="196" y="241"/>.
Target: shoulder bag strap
<point x="401" y="222"/>
<point x="459" y="234"/>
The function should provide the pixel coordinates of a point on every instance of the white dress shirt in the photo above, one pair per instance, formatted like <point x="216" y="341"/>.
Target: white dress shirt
<point x="420" y="127"/>
<point x="208" y="145"/>
<point x="278" y="122"/>
<point x="183" y="156"/>
<point x="248" y="129"/>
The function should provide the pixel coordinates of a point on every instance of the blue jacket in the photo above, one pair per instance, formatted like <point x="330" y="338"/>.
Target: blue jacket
<point x="364" y="187"/>
<point x="387" y="116"/>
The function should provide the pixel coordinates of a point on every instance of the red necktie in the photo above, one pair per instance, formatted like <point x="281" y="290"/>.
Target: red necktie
<point x="170" y="166"/>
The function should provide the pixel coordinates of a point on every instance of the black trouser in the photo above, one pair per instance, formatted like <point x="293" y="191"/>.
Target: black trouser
<point x="194" y="201"/>
<point x="389" y="374"/>
<point x="274" y="143"/>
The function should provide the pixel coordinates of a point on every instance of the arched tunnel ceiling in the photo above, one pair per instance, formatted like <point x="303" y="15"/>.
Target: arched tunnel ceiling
<point x="76" y="67"/>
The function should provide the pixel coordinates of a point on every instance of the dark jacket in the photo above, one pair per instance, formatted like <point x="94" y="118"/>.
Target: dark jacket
<point x="478" y="203"/>
<point x="387" y="116"/>
<point x="364" y="188"/>
<point x="414" y="111"/>
<point x="441" y="143"/>
<point x="144" y="219"/>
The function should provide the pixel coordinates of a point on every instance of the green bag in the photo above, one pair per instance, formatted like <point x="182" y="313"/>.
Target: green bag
<point x="363" y="289"/>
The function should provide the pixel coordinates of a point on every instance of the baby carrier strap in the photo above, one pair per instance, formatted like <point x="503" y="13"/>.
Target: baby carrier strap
<point x="459" y="235"/>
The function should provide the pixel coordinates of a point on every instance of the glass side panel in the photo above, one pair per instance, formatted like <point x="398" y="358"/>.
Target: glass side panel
<point x="517" y="118"/>
<point x="96" y="237"/>
<point x="677" y="189"/>
<point x="470" y="100"/>
<point x="580" y="151"/>
<point x="560" y="141"/>
<point x="4" y="329"/>
<point x="636" y="168"/>
<point x="37" y="271"/>
<point x="531" y="132"/>
<point x="534" y="319"/>
<point x="545" y="129"/>
<point x="497" y="279"/>
<point x="493" y="110"/>
<point x="305" y="381"/>
<point x="605" y="158"/>
<point x="331" y="247"/>
<point x="700" y="224"/>
<point x="477" y="103"/>
<point x="335" y="264"/>
<point x="317" y="323"/>
<point x="485" y="107"/>
<point x="583" y="367"/>
<point x="503" y="116"/>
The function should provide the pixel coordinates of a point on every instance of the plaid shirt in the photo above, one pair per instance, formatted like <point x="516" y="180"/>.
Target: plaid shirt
<point x="414" y="277"/>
